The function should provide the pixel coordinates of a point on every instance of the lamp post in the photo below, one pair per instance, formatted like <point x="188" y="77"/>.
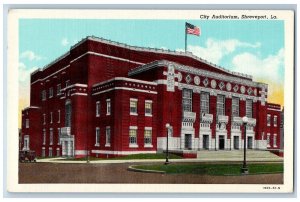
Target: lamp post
<point x="245" y="170"/>
<point x="167" y="152"/>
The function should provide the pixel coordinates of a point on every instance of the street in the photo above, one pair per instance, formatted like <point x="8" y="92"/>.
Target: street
<point x="118" y="173"/>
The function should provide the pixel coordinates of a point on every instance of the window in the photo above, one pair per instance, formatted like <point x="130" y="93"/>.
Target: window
<point x="44" y="118"/>
<point x="58" y="89"/>
<point x="132" y="136"/>
<point x="50" y="92"/>
<point x="57" y="152"/>
<point x="27" y="123"/>
<point x="44" y="136"/>
<point x="51" y="117"/>
<point x="98" y="108"/>
<point x="97" y="137"/>
<point x="26" y="142"/>
<point x="50" y="152"/>
<point x="235" y="107"/>
<point x="58" y="136"/>
<point x="51" y="137"/>
<point x="133" y="106"/>
<point x="275" y="140"/>
<point x="68" y="113"/>
<point x="108" y="107"/>
<point x="249" y="108"/>
<point x="43" y="152"/>
<point x="268" y="119"/>
<point x="107" y="144"/>
<point x="268" y="139"/>
<point x="148" y="136"/>
<point x="67" y="83"/>
<point x="44" y="95"/>
<point x="275" y="121"/>
<point x="204" y="99"/>
<point x="187" y="100"/>
<point x="148" y="107"/>
<point x="58" y="111"/>
<point x="220" y="105"/>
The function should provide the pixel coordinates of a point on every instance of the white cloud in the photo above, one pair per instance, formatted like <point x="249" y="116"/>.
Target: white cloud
<point x="215" y="50"/>
<point x="30" y="55"/>
<point x="24" y="72"/>
<point x="64" y="42"/>
<point x="268" y="68"/>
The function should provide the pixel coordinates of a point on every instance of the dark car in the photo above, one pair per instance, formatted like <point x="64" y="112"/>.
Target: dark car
<point x="27" y="156"/>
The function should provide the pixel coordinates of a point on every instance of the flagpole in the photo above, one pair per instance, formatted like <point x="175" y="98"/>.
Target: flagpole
<point x="185" y="36"/>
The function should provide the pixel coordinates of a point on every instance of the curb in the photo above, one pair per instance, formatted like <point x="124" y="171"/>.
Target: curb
<point x="131" y="168"/>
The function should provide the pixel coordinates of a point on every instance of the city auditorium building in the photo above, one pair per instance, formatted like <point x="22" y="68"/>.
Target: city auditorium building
<point x="105" y="99"/>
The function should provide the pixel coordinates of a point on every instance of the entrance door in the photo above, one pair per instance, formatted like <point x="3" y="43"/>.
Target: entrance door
<point x="221" y="142"/>
<point x="236" y="142"/>
<point x="205" y="142"/>
<point x="250" y="142"/>
<point x="187" y="141"/>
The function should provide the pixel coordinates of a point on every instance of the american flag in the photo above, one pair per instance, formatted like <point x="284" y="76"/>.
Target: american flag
<point x="192" y="29"/>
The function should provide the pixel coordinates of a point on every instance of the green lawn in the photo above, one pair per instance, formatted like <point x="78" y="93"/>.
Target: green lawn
<point x="133" y="156"/>
<point x="213" y="169"/>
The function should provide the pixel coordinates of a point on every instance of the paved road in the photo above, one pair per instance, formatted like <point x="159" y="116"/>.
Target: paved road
<point x="118" y="173"/>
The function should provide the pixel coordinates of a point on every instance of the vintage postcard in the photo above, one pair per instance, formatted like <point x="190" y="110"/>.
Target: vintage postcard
<point x="134" y="100"/>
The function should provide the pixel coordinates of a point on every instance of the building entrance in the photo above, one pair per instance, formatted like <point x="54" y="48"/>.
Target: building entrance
<point x="250" y="143"/>
<point x="188" y="141"/>
<point x="221" y="142"/>
<point x="205" y="142"/>
<point x="236" y="142"/>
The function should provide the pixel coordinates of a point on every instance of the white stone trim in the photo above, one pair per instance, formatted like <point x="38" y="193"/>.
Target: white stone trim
<point x="50" y="74"/>
<point x="134" y="99"/>
<point x="149" y="101"/>
<point x="278" y="110"/>
<point x="125" y="88"/>
<point x="148" y="128"/>
<point x="133" y="127"/>
<point x="75" y="85"/>
<point x="133" y="145"/>
<point x="83" y="94"/>
<point x="80" y="152"/>
<point x="125" y="79"/>
<point x="122" y="152"/>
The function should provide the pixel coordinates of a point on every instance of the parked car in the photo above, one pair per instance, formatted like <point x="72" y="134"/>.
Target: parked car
<point x="27" y="156"/>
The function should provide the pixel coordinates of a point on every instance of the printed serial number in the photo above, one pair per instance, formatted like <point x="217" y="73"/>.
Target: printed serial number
<point x="274" y="187"/>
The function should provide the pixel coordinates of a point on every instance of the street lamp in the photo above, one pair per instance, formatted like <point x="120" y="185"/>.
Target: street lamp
<point x="245" y="170"/>
<point x="167" y="152"/>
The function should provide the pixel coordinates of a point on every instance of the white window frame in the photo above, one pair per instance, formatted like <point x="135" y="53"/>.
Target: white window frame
<point x="58" y="89"/>
<point x="275" y="140"/>
<point x="108" y="107"/>
<point x="43" y="152"/>
<point x="58" y="111"/>
<point x="151" y="139"/>
<point x="268" y="139"/>
<point x="133" y="100"/>
<point x="44" y="136"/>
<point x="275" y="120"/>
<point x="151" y="107"/>
<point x="97" y="134"/>
<point x="187" y="101"/>
<point x="58" y="136"/>
<point x="51" y="117"/>
<point x="220" y="105"/>
<point x="98" y="108"/>
<point x="107" y="136"/>
<point x="26" y="145"/>
<point x="50" y="152"/>
<point x="44" y="118"/>
<point x="27" y="123"/>
<point x="44" y="95"/>
<point x="249" y="108"/>
<point x="204" y="102"/>
<point x="268" y="119"/>
<point x="51" y="92"/>
<point x="133" y="144"/>
<point x="51" y="136"/>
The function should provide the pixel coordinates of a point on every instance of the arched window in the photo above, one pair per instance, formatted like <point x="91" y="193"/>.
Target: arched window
<point x="68" y="108"/>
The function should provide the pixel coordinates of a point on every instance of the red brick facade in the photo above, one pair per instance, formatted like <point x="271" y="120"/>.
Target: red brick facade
<point x="105" y="99"/>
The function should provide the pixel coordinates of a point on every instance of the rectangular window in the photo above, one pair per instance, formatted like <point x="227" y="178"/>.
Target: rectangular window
<point x="44" y="136"/>
<point x="50" y="92"/>
<point x="44" y="95"/>
<point x="26" y="142"/>
<point x="58" y="136"/>
<point x="133" y="106"/>
<point x="275" y="140"/>
<point x="51" y="137"/>
<point x="148" y="136"/>
<point x="187" y="100"/>
<point x="204" y="99"/>
<point x="132" y="135"/>
<point x="50" y="152"/>
<point x="268" y="139"/>
<point x="27" y="123"/>
<point x="108" y="107"/>
<point x="235" y="107"/>
<point x="44" y="118"/>
<point x="98" y="108"/>
<point x="275" y="121"/>
<point x="220" y="105"/>
<point x="97" y="137"/>
<point x="107" y="138"/>
<point x="58" y="111"/>
<point x="58" y="89"/>
<point x="148" y="107"/>
<point x="268" y="119"/>
<point x="51" y="117"/>
<point x="249" y="108"/>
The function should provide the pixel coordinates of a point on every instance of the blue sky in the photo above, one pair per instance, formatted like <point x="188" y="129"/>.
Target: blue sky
<point x="253" y="47"/>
